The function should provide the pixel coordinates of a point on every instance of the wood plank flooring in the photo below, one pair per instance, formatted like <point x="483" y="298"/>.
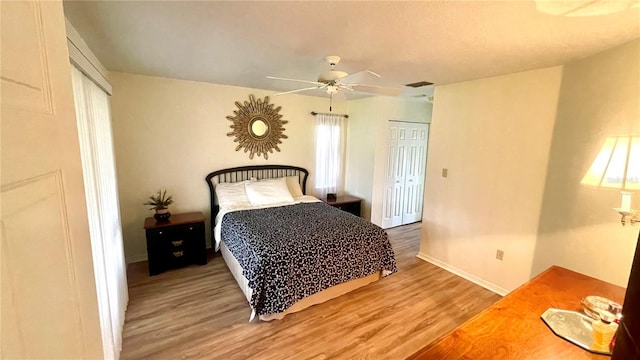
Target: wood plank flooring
<point x="199" y="312"/>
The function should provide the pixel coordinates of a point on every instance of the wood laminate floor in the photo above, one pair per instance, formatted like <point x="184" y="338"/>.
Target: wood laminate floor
<point x="199" y="312"/>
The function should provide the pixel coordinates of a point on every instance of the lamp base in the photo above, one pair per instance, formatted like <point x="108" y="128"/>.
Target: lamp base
<point x="628" y="216"/>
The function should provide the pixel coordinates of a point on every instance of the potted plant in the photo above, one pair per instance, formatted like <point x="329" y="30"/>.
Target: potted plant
<point x="160" y="203"/>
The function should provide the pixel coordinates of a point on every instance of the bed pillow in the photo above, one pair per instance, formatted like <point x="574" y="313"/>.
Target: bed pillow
<point x="268" y="192"/>
<point x="232" y="195"/>
<point x="294" y="186"/>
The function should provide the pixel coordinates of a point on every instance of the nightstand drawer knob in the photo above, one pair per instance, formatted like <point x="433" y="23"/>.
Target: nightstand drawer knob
<point x="159" y="232"/>
<point x="190" y="228"/>
<point x="177" y="243"/>
<point x="178" y="253"/>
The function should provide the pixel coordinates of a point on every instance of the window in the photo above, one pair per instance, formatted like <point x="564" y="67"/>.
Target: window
<point x="329" y="153"/>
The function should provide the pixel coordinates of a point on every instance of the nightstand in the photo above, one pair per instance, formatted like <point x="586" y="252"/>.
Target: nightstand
<point x="346" y="203"/>
<point x="175" y="243"/>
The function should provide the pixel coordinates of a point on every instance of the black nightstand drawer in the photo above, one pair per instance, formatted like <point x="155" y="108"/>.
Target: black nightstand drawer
<point x="353" y="208"/>
<point x="350" y="204"/>
<point x="176" y="243"/>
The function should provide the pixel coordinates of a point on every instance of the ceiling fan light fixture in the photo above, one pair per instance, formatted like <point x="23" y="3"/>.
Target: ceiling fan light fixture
<point x="332" y="89"/>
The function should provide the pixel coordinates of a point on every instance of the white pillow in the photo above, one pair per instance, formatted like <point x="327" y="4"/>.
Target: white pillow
<point x="294" y="186"/>
<point x="232" y="195"/>
<point x="268" y="192"/>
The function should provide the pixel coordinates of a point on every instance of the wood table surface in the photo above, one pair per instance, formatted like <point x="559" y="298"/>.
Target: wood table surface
<point x="512" y="328"/>
<point x="175" y="219"/>
<point x="343" y="199"/>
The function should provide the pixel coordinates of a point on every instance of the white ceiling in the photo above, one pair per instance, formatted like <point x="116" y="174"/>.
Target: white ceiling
<point x="239" y="43"/>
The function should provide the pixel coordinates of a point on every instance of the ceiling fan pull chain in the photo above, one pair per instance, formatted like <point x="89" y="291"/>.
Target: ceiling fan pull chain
<point x="330" y="101"/>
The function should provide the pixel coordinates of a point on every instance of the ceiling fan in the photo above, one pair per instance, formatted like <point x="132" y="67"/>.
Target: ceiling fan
<point x="336" y="82"/>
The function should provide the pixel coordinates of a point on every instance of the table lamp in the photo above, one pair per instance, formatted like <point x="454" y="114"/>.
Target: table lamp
<point x="617" y="167"/>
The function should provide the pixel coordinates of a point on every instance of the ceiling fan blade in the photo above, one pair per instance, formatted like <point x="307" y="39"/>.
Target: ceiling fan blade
<point x="374" y="89"/>
<point x="360" y="76"/>
<point x="296" y="80"/>
<point x="298" y="90"/>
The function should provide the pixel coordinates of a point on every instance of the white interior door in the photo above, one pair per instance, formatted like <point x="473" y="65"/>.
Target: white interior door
<point x="389" y="184"/>
<point x="406" y="163"/>
<point x="394" y="183"/>
<point x="49" y="305"/>
<point x="415" y="170"/>
<point x="399" y="176"/>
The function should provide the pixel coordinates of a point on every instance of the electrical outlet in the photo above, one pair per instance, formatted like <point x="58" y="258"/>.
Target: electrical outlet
<point x="499" y="254"/>
<point x="445" y="172"/>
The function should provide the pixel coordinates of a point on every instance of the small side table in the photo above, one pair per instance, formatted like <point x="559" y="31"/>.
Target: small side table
<point x="346" y="203"/>
<point x="175" y="243"/>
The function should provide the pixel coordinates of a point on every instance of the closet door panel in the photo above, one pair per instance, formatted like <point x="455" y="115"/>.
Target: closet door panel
<point x="414" y="177"/>
<point x="389" y="205"/>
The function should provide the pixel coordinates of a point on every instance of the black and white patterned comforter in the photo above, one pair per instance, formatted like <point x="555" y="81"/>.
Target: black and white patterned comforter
<point x="290" y="252"/>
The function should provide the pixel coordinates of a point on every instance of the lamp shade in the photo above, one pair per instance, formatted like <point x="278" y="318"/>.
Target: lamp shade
<point x="617" y="165"/>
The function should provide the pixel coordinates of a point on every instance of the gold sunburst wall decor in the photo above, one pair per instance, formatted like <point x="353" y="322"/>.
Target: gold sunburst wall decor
<point x="257" y="127"/>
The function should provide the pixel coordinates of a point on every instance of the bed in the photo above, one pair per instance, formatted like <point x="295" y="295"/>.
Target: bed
<point x="287" y="250"/>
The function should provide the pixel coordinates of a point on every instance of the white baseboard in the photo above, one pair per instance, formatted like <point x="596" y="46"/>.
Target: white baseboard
<point x="137" y="258"/>
<point x="463" y="274"/>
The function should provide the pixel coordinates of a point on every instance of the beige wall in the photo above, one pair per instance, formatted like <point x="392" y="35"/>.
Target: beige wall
<point x="515" y="162"/>
<point x="171" y="133"/>
<point x="493" y="135"/>
<point x="600" y="96"/>
<point x="367" y="146"/>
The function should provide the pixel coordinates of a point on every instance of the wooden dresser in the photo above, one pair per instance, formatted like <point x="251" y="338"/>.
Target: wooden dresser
<point x="512" y="328"/>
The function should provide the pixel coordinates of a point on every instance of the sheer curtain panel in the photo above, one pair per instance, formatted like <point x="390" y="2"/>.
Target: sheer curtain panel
<point x="329" y="153"/>
<point x="101" y="191"/>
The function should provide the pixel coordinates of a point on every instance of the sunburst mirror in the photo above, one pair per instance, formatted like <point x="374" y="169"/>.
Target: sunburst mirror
<point x="257" y="127"/>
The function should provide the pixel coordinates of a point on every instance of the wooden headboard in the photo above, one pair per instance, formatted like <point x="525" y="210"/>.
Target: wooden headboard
<point x="257" y="172"/>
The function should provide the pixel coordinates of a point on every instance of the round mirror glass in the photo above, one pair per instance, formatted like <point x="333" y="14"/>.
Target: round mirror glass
<point x="259" y="127"/>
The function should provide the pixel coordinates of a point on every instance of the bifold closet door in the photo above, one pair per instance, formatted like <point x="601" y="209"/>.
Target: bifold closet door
<point x="404" y="183"/>
<point x="394" y="182"/>
<point x="415" y="165"/>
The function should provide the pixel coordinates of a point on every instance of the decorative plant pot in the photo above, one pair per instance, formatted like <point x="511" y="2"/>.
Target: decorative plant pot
<point x="162" y="215"/>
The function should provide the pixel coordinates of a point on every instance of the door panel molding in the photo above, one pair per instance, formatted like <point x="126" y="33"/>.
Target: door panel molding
<point x="40" y="200"/>
<point x="25" y="80"/>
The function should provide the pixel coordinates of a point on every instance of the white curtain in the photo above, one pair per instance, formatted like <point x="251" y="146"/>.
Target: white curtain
<point x="98" y="165"/>
<point x="329" y="153"/>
